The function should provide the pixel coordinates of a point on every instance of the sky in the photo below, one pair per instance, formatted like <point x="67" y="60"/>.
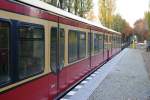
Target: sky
<point x="131" y="10"/>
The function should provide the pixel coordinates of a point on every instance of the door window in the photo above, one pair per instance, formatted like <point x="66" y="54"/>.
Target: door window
<point x="31" y="50"/>
<point x="4" y="52"/>
<point x="57" y="49"/>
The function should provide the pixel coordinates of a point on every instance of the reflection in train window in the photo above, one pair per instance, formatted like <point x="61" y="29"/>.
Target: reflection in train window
<point x="53" y="55"/>
<point x="73" y="46"/>
<point x="61" y="47"/>
<point x="105" y="41"/>
<point x="96" y="43"/>
<point x="100" y="43"/>
<point x="113" y="41"/>
<point x="31" y="50"/>
<point x="90" y="43"/>
<point x="54" y="48"/>
<point x="82" y="45"/>
<point x="4" y="52"/>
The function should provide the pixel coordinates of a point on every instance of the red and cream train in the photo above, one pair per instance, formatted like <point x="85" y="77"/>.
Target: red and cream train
<point x="44" y="51"/>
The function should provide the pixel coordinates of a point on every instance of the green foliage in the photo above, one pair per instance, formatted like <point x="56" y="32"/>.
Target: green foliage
<point x="147" y="19"/>
<point x="77" y="7"/>
<point x="106" y="12"/>
<point x="118" y="23"/>
<point x="85" y="7"/>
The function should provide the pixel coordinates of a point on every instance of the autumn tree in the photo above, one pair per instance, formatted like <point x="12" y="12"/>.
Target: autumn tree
<point x="106" y="12"/>
<point x="127" y="30"/>
<point x="141" y="29"/>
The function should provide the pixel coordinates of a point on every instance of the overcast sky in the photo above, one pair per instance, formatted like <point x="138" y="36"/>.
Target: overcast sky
<point x="131" y="10"/>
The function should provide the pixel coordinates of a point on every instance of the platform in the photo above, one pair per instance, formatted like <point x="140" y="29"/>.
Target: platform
<point x="123" y="78"/>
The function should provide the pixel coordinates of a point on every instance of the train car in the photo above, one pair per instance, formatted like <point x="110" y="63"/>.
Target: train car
<point x="45" y="51"/>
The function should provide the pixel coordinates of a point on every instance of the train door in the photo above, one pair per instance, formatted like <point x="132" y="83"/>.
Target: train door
<point x="62" y="81"/>
<point x="57" y="56"/>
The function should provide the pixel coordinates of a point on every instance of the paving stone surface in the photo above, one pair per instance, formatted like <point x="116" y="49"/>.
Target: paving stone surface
<point x="128" y="80"/>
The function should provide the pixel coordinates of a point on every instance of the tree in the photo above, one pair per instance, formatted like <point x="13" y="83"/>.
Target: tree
<point x="69" y="5"/>
<point x="141" y="29"/>
<point x="121" y="25"/>
<point x="81" y="7"/>
<point x="86" y="6"/>
<point x="147" y="19"/>
<point x="118" y="23"/>
<point x="127" y="29"/>
<point x="77" y="7"/>
<point x="106" y="12"/>
<point x="90" y="15"/>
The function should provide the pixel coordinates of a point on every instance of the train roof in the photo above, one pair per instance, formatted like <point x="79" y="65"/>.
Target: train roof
<point x="45" y="6"/>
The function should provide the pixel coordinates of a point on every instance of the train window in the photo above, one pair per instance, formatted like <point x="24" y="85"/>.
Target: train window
<point x="73" y="46"/>
<point x="31" y="50"/>
<point x="100" y="42"/>
<point x="4" y="54"/>
<point x="109" y="41"/>
<point x="90" y="43"/>
<point x="61" y="47"/>
<point x="107" y="38"/>
<point x="113" y="41"/>
<point x="96" y="43"/>
<point x="82" y="45"/>
<point x="106" y="41"/>
<point x="55" y="49"/>
<point x="53" y="59"/>
<point x="116" y="41"/>
<point x="104" y="37"/>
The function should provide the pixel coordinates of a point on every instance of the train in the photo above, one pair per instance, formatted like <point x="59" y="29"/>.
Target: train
<point x="45" y="51"/>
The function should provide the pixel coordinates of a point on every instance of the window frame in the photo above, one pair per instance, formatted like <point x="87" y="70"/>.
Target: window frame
<point x="78" y="40"/>
<point x="37" y="26"/>
<point x="100" y="39"/>
<point x="96" y="43"/>
<point x="89" y="44"/>
<point x="77" y="32"/>
<point x="9" y="53"/>
<point x="71" y="61"/>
